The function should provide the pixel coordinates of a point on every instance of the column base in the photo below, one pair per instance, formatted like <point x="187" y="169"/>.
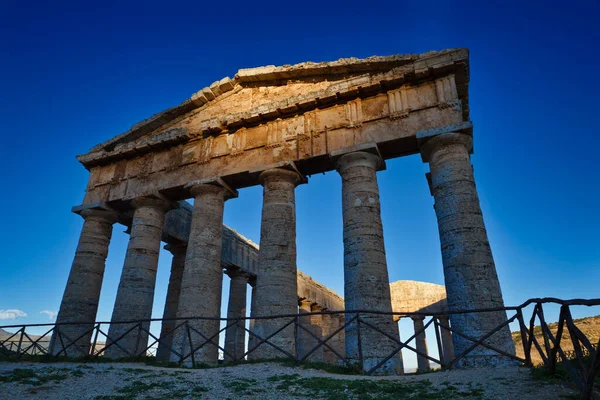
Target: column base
<point x="81" y="347"/>
<point x="486" y="361"/>
<point x="284" y="340"/>
<point x="393" y="366"/>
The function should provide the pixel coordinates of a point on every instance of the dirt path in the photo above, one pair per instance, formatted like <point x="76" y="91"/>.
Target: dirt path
<point x="118" y="381"/>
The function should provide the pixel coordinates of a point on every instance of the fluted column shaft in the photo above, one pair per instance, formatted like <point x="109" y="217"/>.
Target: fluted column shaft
<point x="235" y="335"/>
<point x="202" y="281"/>
<point x="178" y="250"/>
<point x="447" y="346"/>
<point x="135" y="294"/>
<point x="366" y="281"/>
<point x="82" y="293"/>
<point x="421" y="343"/>
<point x="469" y="269"/>
<point x="276" y="283"/>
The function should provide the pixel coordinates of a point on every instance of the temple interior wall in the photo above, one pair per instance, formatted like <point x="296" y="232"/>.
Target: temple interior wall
<point x="239" y="252"/>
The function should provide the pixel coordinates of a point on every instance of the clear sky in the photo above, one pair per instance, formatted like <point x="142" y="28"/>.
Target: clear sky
<point x="74" y="75"/>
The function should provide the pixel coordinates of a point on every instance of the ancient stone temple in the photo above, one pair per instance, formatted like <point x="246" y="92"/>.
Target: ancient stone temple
<point x="274" y="127"/>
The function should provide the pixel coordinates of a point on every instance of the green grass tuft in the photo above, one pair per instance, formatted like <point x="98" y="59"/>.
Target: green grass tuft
<point x="363" y="389"/>
<point x="28" y="376"/>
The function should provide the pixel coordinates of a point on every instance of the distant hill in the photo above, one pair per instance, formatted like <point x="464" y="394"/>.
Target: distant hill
<point x="590" y="326"/>
<point x="5" y="335"/>
<point x="44" y="343"/>
<point x="13" y="343"/>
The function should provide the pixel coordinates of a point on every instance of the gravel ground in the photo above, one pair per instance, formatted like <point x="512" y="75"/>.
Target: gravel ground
<point x="116" y="381"/>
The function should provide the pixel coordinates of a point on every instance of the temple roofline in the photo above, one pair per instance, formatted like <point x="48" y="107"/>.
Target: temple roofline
<point x="415" y="64"/>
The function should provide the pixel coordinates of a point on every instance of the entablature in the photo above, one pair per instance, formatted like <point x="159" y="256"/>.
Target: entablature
<point x="384" y="104"/>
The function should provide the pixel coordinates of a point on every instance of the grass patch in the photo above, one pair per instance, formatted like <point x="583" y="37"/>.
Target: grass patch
<point x="136" y="370"/>
<point x="321" y="366"/>
<point x="334" y="389"/>
<point x="157" y="390"/>
<point x="543" y="375"/>
<point x="28" y="376"/>
<point x="570" y="396"/>
<point x="429" y="370"/>
<point x="331" y="368"/>
<point x="151" y="361"/>
<point x="243" y="385"/>
<point x="137" y="388"/>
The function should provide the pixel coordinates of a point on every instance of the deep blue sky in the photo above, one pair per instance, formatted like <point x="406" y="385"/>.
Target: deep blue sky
<point x="74" y="75"/>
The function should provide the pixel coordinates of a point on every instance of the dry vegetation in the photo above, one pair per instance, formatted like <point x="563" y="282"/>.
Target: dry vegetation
<point x="590" y="326"/>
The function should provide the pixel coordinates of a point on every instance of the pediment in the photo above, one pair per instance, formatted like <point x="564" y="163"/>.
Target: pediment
<point x="259" y="95"/>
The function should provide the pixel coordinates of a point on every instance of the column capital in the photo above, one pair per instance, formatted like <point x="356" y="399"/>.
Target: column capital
<point x="98" y="210"/>
<point x="417" y="318"/>
<point x="279" y="175"/>
<point x="176" y="248"/>
<point x="157" y="201"/>
<point x="214" y="185"/>
<point x="289" y="166"/>
<point x="316" y="307"/>
<point x="102" y="215"/>
<point x="332" y="316"/>
<point x="305" y="304"/>
<point x="435" y="143"/>
<point x="237" y="273"/>
<point x="364" y="154"/>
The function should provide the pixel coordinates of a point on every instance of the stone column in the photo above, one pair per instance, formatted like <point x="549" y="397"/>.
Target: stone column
<point x="202" y="280"/>
<point x="235" y="336"/>
<point x="251" y="338"/>
<point x="135" y="294"/>
<point x="172" y="302"/>
<point x="469" y="269"/>
<point x="316" y="322"/>
<point x="341" y="336"/>
<point x="276" y="283"/>
<point x="82" y="293"/>
<point x="305" y="341"/>
<point x="366" y="281"/>
<point x="421" y="343"/>
<point x="447" y="346"/>
<point x="325" y="324"/>
<point x="335" y="342"/>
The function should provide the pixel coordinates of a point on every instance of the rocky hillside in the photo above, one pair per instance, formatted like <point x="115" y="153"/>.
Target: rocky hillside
<point x="590" y="326"/>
